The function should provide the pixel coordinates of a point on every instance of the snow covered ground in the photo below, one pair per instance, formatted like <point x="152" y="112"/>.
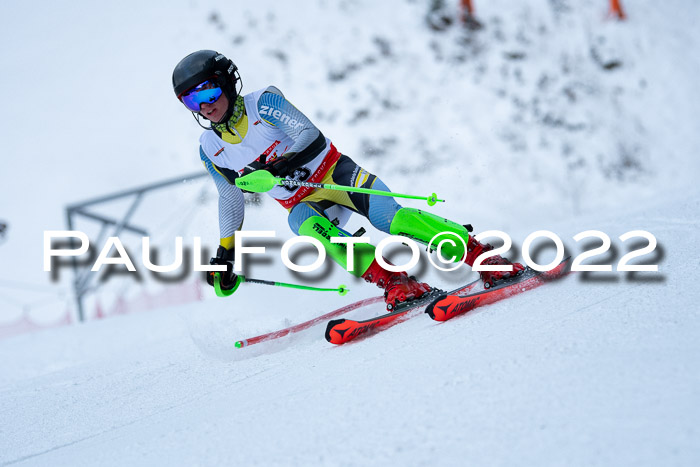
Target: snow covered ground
<point x="583" y="373"/>
<point x="588" y="123"/>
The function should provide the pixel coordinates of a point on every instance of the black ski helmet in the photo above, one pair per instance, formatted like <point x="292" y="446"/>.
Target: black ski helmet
<point x="202" y="65"/>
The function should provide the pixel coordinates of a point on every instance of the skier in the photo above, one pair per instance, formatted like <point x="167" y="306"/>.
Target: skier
<point x="264" y="131"/>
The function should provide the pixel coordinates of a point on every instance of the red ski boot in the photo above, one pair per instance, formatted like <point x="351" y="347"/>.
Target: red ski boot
<point x="490" y="278"/>
<point x="398" y="286"/>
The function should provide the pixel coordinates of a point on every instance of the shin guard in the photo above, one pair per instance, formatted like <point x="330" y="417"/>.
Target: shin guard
<point x="322" y="230"/>
<point x="423" y="226"/>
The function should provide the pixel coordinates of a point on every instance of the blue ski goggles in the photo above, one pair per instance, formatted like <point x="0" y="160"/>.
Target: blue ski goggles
<point x="207" y="92"/>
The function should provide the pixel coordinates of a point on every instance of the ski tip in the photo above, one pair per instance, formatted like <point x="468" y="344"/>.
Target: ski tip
<point x="240" y="344"/>
<point x="332" y="323"/>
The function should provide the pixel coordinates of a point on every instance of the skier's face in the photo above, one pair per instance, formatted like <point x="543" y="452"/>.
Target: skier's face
<point x="216" y="110"/>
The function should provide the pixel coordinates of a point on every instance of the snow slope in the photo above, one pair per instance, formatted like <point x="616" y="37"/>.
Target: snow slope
<point x="588" y="123"/>
<point x="582" y="373"/>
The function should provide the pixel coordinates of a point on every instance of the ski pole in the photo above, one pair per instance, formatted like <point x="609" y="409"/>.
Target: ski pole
<point x="261" y="181"/>
<point x="341" y="289"/>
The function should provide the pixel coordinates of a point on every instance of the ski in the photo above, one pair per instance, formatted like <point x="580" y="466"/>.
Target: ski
<point x="339" y="331"/>
<point x="333" y="314"/>
<point x="444" y="306"/>
<point x="448" y="306"/>
<point x="306" y="324"/>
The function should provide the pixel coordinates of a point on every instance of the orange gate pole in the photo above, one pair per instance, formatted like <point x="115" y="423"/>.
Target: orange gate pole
<point x="616" y="9"/>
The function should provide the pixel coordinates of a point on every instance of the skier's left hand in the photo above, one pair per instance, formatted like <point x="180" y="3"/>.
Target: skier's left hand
<point x="229" y="278"/>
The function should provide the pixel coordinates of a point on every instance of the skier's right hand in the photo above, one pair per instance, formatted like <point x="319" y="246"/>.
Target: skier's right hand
<point x="249" y="169"/>
<point x="229" y="278"/>
<point x="279" y="167"/>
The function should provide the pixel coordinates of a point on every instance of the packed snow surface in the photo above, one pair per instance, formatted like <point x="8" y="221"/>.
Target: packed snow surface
<point x="575" y="372"/>
<point x="550" y="117"/>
